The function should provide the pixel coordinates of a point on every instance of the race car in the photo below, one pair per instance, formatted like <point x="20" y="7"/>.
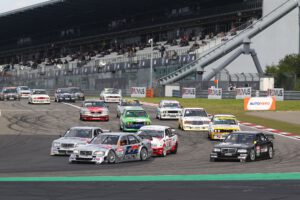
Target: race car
<point x="125" y="103"/>
<point x="133" y="118"/>
<point x="111" y="95"/>
<point x="64" y="95"/>
<point x="168" y="109"/>
<point x="163" y="139"/>
<point x="94" y="110"/>
<point x="38" y="96"/>
<point x="194" y="119"/>
<point x="78" y="93"/>
<point x="221" y="126"/>
<point x="74" y="137"/>
<point x="113" y="148"/>
<point x="9" y="93"/>
<point x="244" y="146"/>
<point x="23" y="91"/>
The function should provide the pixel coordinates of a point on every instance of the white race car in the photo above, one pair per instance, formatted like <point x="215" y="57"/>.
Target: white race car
<point x="163" y="139"/>
<point x="111" y="95"/>
<point x="194" y="119"/>
<point x="74" y="137"/>
<point x="23" y="91"/>
<point x="38" y="96"/>
<point x="168" y="109"/>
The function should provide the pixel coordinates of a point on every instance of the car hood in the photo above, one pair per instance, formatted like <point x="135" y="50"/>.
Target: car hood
<point x="96" y="147"/>
<point x="25" y="91"/>
<point x="137" y="119"/>
<point x="112" y="95"/>
<point x="95" y="109"/>
<point x="196" y="118"/>
<point x="156" y="140"/>
<point x="226" y="126"/>
<point x="65" y="94"/>
<point x="73" y="140"/>
<point x="233" y="145"/>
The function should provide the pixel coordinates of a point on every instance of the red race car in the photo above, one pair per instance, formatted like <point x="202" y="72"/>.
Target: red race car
<point x="94" y="110"/>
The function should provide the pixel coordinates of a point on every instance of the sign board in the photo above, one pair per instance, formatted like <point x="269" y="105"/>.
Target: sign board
<point x="138" y="92"/>
<point x="242" y="93"/>
<point x="188" y="93"/>
<point x="169" y="90"/>
<point x="214" y="93"/>
<point x="278" y="93"/>
<point x="260" y="103"/>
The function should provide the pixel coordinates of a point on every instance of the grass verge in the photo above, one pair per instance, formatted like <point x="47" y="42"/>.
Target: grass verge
<point x="236" y="107"/>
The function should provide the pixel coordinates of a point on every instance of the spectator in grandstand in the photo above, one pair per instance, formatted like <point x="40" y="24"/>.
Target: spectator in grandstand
<point x="162" y="50"/>
<point x="194" y="47"/>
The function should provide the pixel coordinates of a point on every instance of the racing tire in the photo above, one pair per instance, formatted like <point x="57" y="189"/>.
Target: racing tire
<point x="143" y="154"/>
<point x="164" y="153"/>
<point x="251" y="156"/>
<point x="176" y="148"/>
<point x="212" y="159"/>
<point x="111" y="157"/>
<point x="270" y="153"/>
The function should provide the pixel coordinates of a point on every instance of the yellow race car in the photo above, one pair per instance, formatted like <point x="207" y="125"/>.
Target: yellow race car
<point x="221" y="125"/>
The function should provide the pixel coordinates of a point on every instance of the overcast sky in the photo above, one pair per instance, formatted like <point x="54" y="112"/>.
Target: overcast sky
<point x="8" y="5"/>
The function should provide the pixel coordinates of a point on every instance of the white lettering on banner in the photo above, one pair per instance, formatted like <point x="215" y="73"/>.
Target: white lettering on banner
<point x="214" y="93"/>
<point x="138" y="92"/>
<point x="242" y="93"/>
<point x="188" y="92"/>
<point x="260" y="103"/>
<point x="278" y="93"/>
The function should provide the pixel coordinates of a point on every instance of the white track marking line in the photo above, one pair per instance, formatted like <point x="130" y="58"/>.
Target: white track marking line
<point x="69" y="104"/>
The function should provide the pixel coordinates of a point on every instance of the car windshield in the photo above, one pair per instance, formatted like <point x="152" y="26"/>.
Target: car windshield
<point x="171" y="105"/>
<point x="94" y="104"/>
<point x="130" y="103"/>
<point x="230" y="121"/>
<point x="195" y="113"/>
<point x="240" y="138"/>
<point x="39" y="92"/>
<point x="24" y="88"/>
<point x="76" y="132"/>
<point x="136" y="113"/>
<point x="10" y="90"/>
<point x="63" y="90"/>
<point x="106" y="139"/>
<point x="111" y="91"/>
<point x="75" y="90"/>
<point x="151" y="133"/>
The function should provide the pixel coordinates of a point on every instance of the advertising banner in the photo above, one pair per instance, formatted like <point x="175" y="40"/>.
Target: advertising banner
<point x="138" y="92"/>
<point x="278" y="93"/>
<point x="260" y="103"/>
<point x="242" y="93"/>
<point x="188" y="92"/>
<point x="214" y="93"/>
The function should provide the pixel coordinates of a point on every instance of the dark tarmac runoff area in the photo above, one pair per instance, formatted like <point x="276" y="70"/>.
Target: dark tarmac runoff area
<point x="27" y="131"/>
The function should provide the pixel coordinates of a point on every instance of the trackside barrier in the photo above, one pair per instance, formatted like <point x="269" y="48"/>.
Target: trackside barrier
<point x="176" y="93"/>
<point x="242" y="93"/>
<point x="150" y="93"/>
<point x="278" y="93"/>
<point x="138" y="92"/>
<point x="214" y="93"/>
<point x="188" y="92"/>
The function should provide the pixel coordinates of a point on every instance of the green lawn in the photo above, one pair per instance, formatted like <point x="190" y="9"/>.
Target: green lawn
<point x="236" y="107"/>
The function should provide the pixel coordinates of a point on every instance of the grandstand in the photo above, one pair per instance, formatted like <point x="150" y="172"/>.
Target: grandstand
<point x="95" y="44"/>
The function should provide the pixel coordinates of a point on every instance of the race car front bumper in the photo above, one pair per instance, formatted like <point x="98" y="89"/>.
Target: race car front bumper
<point x="95" y="118"/>
<point x="236" y="156"/>
<point x="88" y="159"/>
<point x="217" y="136"/>
<point x="61" y="151"/>
<point x="157" y="151"/>
<point x="40" y="101"/>
<point x="190" y="127"/>
<point x="112" y="100"/>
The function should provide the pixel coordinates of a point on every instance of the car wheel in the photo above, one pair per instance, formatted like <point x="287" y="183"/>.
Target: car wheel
<point x="143" y="154"/>
<point x="252" y="155"/>
<point x="111" y="157"/>
<point x="212" y="159"/>
<point x="176" y="148"/>
<point x="270" y="153"/>
<point x="164" y="153"/>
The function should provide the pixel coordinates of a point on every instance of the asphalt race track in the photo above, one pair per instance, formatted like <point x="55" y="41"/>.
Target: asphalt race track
<point x="28" y="130"/>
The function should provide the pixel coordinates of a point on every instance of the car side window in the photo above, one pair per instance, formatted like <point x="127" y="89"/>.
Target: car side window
<point x="132" y="139"/>
<point x="263" y="138"/>
<point x="123" y="141"/>
<point x="97" y="132"/>
<point x="168" y="133"/>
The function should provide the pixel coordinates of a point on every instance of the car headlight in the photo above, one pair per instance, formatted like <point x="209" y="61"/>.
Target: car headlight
<point x="148" y="123"/>
<point x="128" y="123"/>
<point x="55" y="144"/>
<point x="216" y="150"/>
<point x="99" y="153"/>
<point x="76" y="151"/>
<point x="242" y="151"/>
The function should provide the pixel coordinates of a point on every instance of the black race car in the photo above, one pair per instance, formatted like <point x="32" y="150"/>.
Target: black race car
<point x="244" y="146"/>
<point x="64" y="95"/>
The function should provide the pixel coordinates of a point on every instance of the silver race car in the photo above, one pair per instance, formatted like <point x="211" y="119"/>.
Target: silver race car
<point x="113" y="148"/>
<point x="74" y="137"/>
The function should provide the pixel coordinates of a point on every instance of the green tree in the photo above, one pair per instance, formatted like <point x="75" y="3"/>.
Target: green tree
<point x="287" y="72"/>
